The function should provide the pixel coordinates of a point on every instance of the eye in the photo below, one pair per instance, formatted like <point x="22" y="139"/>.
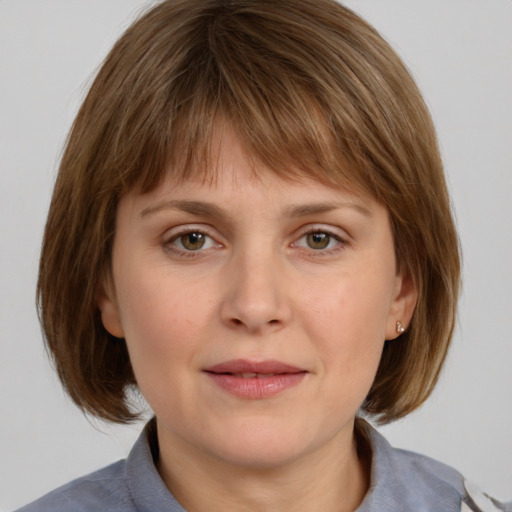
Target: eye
<point x="191" y="241"/>
<point x="319" y="240"/>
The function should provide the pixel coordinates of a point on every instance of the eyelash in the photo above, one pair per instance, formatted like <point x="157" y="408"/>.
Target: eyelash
<point x="340" y="245"/>
<point x="170" y="247"/>
<point x="183" y="252"/>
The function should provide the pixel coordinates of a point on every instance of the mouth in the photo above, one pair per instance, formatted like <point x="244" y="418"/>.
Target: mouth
<point x="255" y="380"/>
<point x="252" y="375"/>
<point x="251" y="369"/>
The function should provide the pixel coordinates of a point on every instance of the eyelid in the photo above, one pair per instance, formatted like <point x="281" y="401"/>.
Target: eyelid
<point x="175" y="233"/>
<point x="323" y="228"/>
<point x="183" y="229"/>
<point x="172" y="234"/>
<point x="341" y="236"/>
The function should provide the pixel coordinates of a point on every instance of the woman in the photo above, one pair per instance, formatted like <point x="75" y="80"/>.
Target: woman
<point x="251" y="227"/>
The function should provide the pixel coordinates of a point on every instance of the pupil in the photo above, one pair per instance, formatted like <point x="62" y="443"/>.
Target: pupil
<point x="193" y="241"/>
<point x="318" y="240"/>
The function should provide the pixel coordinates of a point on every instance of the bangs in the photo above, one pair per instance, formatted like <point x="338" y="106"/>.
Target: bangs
<point x="289" y="119"/>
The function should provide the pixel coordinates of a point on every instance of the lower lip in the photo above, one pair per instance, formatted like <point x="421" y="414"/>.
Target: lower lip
<point x="256" y="387"/>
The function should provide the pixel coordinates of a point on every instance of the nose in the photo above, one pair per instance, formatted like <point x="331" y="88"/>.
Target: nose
<point x="256" y="298"/>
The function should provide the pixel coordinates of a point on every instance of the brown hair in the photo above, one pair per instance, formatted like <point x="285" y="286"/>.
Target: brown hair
<point x="311" y="89"/>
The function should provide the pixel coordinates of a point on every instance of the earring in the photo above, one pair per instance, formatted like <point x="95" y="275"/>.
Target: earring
<point x="399" y="327"/>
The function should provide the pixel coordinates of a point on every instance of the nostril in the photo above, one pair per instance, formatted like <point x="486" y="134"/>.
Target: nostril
<point x="237" y="321"/>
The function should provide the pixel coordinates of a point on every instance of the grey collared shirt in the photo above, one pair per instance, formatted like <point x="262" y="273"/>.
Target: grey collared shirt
<point x="400" y="481"/>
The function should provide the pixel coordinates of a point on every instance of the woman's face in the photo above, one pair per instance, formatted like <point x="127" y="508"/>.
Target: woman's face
<point x="254" y="309"/>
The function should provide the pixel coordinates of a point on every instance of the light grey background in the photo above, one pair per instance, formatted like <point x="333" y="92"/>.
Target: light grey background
<point x="460" y="52"/>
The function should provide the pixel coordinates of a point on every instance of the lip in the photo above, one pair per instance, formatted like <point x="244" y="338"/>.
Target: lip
<point x="255" y="380"/>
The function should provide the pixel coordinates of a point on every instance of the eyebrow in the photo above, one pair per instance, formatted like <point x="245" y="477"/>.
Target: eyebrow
<point x="304" y="210"/>
<point x="198" y="208"/>
<point x="207" y="209"/>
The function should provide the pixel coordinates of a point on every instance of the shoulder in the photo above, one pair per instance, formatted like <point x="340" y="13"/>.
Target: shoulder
<point x="102" y="490"/>
<point x="125" y="486"/>
<point x="437" y="475"/>
<point x="411" y="481"/>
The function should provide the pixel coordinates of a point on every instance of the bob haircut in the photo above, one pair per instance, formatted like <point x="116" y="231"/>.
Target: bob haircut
<point x="312" y="90"/>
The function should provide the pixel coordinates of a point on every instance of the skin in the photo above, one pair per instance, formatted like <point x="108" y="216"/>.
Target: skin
<point x="259" y="288"/>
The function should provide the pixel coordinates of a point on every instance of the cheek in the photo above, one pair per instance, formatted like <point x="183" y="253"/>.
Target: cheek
<point x="350" y="308"/>
<point x="163" y="320"/>
<point x="348" y="325"/>
<point x="165" y="333"/>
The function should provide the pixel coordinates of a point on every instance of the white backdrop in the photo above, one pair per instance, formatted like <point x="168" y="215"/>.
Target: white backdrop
<point x="460" y="52"/>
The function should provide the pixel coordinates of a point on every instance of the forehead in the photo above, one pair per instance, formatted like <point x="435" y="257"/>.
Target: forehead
<point x="224" y="159"/>
<point x="234" y="178"/>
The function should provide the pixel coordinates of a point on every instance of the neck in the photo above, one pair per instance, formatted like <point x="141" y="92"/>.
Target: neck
<point x="334" y="478"/>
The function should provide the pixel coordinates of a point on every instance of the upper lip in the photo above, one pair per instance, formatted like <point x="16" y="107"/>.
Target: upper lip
<point x="261" y="367"/>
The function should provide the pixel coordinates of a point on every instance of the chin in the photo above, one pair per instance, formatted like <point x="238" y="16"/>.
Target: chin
<point x="260" y="446"/>
<point x="259" y="456"/>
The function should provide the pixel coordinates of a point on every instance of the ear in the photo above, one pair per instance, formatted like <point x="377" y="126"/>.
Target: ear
<point x="402" y="307"/>
<point x="109" y="309"/>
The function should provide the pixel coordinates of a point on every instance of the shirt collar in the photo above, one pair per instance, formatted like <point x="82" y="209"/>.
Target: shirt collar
<point x="400" y="480"/>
